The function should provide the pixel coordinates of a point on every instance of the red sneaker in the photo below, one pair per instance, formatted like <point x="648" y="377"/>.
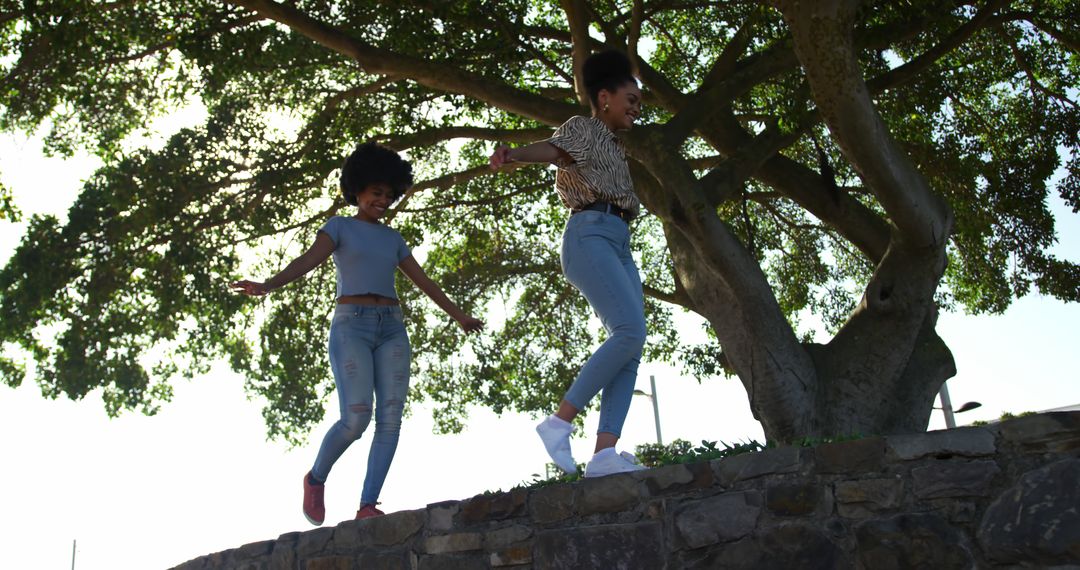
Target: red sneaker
<point x="314" y="509"/>
<point x="368" y="511"/>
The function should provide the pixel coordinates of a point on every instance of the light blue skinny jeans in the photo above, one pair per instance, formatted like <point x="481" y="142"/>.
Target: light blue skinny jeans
<point x="369" y="356"/>
<point x="596" y="259"/>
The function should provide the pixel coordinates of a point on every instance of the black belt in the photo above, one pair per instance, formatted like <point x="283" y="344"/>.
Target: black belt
<point x="607" y="209"/>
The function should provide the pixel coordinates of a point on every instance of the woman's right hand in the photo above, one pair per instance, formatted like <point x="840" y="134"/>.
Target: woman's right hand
<point x="500" y="157"/>
<point x="470" y="324"/>
<point x="253" y="288"/>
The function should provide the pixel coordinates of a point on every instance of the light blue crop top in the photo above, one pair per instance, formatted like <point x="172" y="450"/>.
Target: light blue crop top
<point x="365" y="255"/>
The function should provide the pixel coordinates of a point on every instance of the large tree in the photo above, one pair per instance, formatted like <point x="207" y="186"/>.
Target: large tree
<point x="865" y="163"/>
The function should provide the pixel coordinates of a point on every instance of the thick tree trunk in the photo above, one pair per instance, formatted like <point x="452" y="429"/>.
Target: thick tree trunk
<point x="880" y="373"/>
<point x="755" y="360"/>
<point x="727" y="286"/>
<point x="890" y="339"/>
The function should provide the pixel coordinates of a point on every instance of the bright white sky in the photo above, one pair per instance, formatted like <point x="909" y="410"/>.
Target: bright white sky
<point x="152" y="492"/>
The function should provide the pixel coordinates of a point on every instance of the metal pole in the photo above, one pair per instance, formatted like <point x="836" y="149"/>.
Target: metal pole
<point x="946" y="406"/>
<point x="655" y="409"/>
<point x="73" y="554"/>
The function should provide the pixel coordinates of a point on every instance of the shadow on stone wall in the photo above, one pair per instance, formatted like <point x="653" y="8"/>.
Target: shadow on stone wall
<point x="1003" y="496"/>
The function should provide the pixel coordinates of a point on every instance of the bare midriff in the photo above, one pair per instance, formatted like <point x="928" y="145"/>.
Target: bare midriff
<point x="366" y="300"/>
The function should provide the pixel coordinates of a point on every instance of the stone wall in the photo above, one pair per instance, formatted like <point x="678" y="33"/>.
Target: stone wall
<point x="1003" y="496"/>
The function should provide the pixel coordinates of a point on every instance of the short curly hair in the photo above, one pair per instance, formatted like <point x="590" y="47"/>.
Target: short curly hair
<point x="373" y="163"/>
<point x="607" y="70"/>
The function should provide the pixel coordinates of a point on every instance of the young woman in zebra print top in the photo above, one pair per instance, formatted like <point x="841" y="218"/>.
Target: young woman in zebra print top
<point x="593" y="180"/>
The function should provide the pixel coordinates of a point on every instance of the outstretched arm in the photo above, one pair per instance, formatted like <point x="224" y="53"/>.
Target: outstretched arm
<point x="416" y="274"/>
<point x="310" y="259"/>
<point x="540" y="151"/>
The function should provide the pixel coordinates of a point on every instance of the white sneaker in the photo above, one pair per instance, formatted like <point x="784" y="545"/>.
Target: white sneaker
<point x="607" y="462"/>
<point x="555" y="433"/>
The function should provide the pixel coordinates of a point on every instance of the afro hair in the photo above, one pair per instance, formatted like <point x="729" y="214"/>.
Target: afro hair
<point x="371" y="164"/>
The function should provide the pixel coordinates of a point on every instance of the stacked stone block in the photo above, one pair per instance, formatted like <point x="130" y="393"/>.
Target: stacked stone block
<point x="1002" y="496"/>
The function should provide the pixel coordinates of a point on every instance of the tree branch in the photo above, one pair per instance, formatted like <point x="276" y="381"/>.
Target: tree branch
<point x="867" y="232"/>
<point x="539" y="55"/>
<point x="822" y="34"/>
<point x="485" y="202"/>
<point x="637" y="15"/>
<point x="224" y="27"/>
<point x="679" y="298"/>
<point x="723" y="86"/>
<point x="449" y="180"/>
<point x="443" y="182"/>
<point x="433" y="74"/>
<point x="860" y="225"/>
<point x="1071" y="43"/>
<point x="436" y="135"/>
<point x="321" y="216"/>
<point x="1022" y="63"/>
<point x="309" y="135"/>
<point x="724" y="182"/>
<point x="725" y="64"/>
<point x="913" y="68"/>
<point x="863" y="227"/>
<point x="577" y="18"/>
<point x="783" y="219"/>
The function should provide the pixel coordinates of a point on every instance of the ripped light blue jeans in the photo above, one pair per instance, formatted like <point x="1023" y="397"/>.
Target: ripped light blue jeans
<point x="596" y="259"/>
<point x="369" y="355"/>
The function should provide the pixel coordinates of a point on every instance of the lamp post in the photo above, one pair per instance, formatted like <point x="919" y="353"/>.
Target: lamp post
<point x="946" y="406"/>
<point x="655" y="406"/>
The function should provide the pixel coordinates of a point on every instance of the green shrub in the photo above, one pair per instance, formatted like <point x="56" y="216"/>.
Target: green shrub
<point x="678" y="451"/>
<point x="682" y="451"/>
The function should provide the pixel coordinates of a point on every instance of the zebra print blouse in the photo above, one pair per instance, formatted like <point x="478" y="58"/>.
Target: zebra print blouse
<point x="597" y="171"/>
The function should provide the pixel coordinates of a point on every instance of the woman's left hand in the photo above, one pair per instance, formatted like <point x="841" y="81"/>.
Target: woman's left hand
<point x="500" y="157"/>
<point x="253" y="288"/>
<point x="471" y="324"/>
